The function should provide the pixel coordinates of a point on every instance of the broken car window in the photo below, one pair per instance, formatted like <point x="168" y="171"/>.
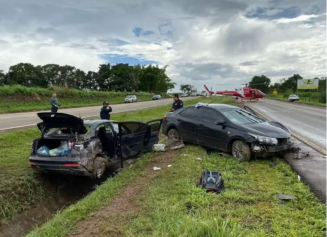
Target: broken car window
<point x="107" y="127"/>
<point x="211" y="116"/>
<point x="239" y="116"/>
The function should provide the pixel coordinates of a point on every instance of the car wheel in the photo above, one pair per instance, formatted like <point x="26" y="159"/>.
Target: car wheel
<point x="173" y="135"/>
<point x="99" y="167"/>
<point x="241" y="150"/>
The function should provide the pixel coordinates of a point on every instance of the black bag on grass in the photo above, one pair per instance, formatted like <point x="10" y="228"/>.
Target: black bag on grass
<point x="212" y="181"/>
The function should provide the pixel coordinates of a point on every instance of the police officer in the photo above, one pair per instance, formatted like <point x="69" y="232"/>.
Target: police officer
<point x="177" y="104"/>
<point x="54" y="103"/>
<point x="105" y="111"/>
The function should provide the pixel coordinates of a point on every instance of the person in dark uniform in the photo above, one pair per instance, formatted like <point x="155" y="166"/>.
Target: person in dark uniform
<point x="105" y="111"/>
<point x="177" y="104"/>
<point x="54" y="103"/>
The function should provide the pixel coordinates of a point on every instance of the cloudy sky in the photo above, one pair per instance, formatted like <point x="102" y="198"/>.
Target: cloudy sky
<point x="221" y="43"/>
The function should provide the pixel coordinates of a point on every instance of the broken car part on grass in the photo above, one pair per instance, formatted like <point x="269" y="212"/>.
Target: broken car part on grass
<point x="87" y="148"/>
<point x="212" y="181"/>
<point x="229" y="129"/>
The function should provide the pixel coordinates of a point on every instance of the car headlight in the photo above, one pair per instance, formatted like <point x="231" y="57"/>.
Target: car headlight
<point x="265" y="140"/>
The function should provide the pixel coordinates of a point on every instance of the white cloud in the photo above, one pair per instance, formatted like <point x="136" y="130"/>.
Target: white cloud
<point x="296" y="19"/>
<point x="201" y="41"/>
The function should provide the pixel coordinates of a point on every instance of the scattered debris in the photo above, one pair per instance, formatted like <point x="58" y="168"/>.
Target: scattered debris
<point x="184" y="154"/>
<point x="159" y="147"/>
<point x="177" y="147"/>
<point x="169" y="145"/>
<point x="212" y="181"/>
<point x="296" y="151"/>
<point x="199" y="158"/>
<point x="299" y="177"/>
<point x="156" y="168"/>
<point x="273" y="164"/>
<point x="168" y="166"/>
<point x="199" y="104"/>
<point x="225" y="154"/>
<point x="285" y="197"/>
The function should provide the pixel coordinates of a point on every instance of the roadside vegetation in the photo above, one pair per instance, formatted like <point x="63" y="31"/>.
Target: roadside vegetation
<point x="20" y="188"/>
<point x="311" y="98"/>
<point x="143" y="202"/>
<point x="22" y="99"/>
<point x="168" y="203"/>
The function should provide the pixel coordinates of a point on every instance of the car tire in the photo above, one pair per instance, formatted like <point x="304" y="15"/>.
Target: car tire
<point x="241" y="151"/>
<point x="99" y="167"/>
<point x="173" y="135"/>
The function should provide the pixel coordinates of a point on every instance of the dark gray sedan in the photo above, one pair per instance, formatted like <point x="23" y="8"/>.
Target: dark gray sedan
<point x="229" y="129"/>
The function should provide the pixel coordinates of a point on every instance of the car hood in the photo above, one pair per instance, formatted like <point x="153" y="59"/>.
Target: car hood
<point x="60" y="120"/>
<point x="269" y="129"/>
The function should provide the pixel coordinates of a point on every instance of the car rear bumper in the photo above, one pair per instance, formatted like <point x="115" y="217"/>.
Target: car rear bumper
<point x="72" y="168"/>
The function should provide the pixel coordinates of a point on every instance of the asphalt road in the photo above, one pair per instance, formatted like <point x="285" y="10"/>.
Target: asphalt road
<point x="304" y="120"/>
<point x="29" y="119"/>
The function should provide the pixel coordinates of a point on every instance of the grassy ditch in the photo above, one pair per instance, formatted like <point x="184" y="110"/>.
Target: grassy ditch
<point x="22" y="99"/>
<point x="310" y="98"/>
<point x="20" y="188"/>
<point x="170" y="204"/>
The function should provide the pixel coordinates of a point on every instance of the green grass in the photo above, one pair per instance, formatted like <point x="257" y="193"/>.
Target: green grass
<point x="20" y="187"/>
<point x="22" y="99"/>
<point x="172" y="205"/>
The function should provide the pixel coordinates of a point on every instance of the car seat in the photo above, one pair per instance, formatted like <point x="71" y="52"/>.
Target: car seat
<point x="107" y="142"/>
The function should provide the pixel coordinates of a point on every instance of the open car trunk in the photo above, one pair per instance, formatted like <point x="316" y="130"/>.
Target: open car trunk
<point x="52" y="147"/>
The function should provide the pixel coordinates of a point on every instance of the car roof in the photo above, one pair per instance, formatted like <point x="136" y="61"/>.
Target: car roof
<point x="96" y="122"/>
<point x="216" y="106"/>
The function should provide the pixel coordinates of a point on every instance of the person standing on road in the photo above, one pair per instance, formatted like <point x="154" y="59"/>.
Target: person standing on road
<point x="105" y="111"/>
<point x="177" y="104"/>
<point x="54" y="103"/>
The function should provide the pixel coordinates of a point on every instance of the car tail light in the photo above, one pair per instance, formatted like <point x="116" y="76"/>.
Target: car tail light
<point x="71" y="165"/>
<point x="32" y="163"/>
<point x="165" y="117"/>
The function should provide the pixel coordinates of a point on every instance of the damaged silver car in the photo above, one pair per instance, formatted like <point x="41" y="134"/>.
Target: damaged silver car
<point x="71" y="145"/>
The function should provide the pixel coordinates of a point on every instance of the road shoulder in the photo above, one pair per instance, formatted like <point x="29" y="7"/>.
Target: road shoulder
<point x="311" y="168"/>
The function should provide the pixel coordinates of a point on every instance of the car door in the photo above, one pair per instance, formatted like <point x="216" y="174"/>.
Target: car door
<point x="134" y="136"/>
<point x="188" y="121"/>
<point x="155" y="126"/>
<point x="212" y="130"/>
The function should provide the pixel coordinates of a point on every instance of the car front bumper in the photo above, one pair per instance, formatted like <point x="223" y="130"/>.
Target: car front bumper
<point x="264" y="150"/>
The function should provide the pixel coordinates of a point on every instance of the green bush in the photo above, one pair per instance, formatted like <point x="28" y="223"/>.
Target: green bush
<point x="322" y="97"/>
<point x="61" y="92"/>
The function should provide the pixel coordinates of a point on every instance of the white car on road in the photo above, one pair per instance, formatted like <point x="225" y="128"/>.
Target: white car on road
<point x="292" y="98"/>
<point x="130" y="99"/>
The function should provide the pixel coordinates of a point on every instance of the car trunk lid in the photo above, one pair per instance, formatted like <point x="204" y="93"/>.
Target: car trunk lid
<point x="59" y="120"/>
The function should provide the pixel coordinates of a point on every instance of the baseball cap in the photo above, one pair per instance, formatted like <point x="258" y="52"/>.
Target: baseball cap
<point x="105" y="103"/>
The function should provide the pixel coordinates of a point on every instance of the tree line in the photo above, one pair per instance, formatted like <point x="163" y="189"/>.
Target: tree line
<point x="119" y="77"/>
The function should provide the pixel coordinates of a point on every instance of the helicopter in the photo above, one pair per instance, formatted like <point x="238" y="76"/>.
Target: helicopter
<point x="244" y="93"/>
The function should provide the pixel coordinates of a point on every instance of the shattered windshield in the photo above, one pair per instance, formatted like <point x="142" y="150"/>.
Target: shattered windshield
<point x="240" y="116"/>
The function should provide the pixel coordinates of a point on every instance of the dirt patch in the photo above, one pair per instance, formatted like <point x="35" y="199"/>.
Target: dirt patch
<point x="124" y="203"/>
